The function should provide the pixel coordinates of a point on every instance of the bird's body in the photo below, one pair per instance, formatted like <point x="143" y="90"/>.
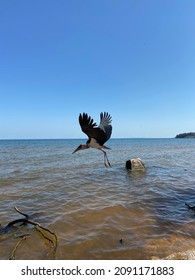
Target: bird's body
<point x="98" y="135"/>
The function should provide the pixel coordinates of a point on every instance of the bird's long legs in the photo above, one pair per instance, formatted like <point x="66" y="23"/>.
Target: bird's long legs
<point x="106" y="161"/>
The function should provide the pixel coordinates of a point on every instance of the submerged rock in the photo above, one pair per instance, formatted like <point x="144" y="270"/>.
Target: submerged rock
<point x="135" y="164"/>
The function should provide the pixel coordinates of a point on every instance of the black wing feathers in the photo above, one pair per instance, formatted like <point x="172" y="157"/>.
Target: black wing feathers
<point x="101" y="133"/>
<point x="86" y="121"/>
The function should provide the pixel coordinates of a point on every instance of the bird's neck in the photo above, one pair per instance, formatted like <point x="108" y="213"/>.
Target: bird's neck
<point x="85" y="146"/>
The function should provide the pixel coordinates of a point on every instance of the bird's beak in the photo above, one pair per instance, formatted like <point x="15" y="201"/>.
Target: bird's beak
<point x="77" y="149"/>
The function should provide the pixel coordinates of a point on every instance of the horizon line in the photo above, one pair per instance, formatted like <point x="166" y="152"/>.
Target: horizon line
<point x="7" y="139"/>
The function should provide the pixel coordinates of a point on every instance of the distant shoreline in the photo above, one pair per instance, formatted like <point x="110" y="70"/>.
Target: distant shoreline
<point x="186" y="135"/>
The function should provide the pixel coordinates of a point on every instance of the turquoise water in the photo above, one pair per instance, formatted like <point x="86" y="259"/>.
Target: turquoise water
<point x="91" y="207"/>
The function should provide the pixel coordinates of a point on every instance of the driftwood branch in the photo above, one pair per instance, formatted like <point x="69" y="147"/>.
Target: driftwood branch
<point x="13" y="253"/>
<point x="17" y="210"/>
<point x="24" y="221"/>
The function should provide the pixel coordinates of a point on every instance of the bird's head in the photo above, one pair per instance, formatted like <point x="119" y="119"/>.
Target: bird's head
<point x="80" y="147"/>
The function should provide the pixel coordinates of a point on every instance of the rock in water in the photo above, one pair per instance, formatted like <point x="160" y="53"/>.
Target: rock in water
<point x="135" y="164"/>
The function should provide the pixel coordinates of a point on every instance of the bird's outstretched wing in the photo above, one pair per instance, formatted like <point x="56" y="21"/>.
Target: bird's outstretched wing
<point x="101" y="133"/>
<point x="105" y="124"/>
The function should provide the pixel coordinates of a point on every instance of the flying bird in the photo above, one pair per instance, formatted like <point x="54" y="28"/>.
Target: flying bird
<point x="98" y="135"/>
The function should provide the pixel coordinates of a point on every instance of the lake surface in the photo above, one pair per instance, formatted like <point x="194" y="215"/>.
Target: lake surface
<point x="99" y="212"/>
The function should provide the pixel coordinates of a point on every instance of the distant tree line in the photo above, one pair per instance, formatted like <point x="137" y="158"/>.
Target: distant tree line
<point x="186" y="135"/>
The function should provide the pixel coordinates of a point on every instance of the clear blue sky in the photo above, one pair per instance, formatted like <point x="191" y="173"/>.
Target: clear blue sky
<point x="132" y="58"/>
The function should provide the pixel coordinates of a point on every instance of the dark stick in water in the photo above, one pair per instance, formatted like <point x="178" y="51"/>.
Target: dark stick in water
<point x="37" y="226"/>
<point x="190" y="207"/>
